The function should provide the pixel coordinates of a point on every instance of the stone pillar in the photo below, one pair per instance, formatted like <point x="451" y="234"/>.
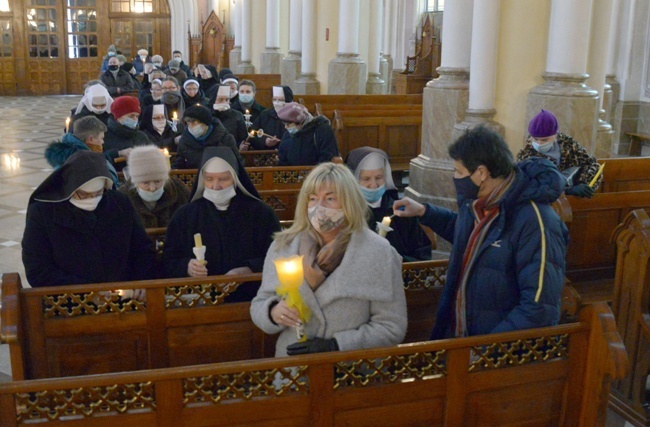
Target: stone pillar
<point x="564" y="91"/>
<point x="307" y="83"/>
<point x="347" y="72"/>
<point x="234" y="57"/>
<point x="375" y="83"/>
<point x="272" y="56"/>
<point x="445" y="101"/>
<point x="612" y="96"/>
<point x="246" y="64"/>
<point x="291" y="63"/>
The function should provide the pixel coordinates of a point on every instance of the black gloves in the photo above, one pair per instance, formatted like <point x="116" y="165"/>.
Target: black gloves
<point x="580" y="190"/>
<point x="316" y="345"/>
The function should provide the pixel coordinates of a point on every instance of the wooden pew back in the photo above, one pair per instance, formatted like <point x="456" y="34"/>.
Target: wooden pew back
<point x="625" y="174"/>
<point x="264" y="84"/>
<point x="81" y="330"/>
<point x="549" y="376"/>
<point x="326" y="104"/>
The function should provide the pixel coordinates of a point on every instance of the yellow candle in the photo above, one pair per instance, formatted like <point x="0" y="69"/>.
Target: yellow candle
<point x="290" y="272"/>
<point x="598" y="174"/>
<point x="197" y="240"/>
<point x="67" y="124"/>
<point x="386" y="221"/>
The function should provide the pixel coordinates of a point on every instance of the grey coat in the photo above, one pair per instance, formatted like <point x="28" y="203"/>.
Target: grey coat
<point x="361" y="304"/>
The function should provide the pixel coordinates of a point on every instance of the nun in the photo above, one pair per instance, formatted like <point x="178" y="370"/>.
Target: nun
<point x="78" y="230"/>
<point x="372" y="171"/>
<point x="269" y="121"/>
<point x="236" y="228"/>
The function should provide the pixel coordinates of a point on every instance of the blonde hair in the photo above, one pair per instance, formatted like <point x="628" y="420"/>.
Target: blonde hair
<point x="341" y="180"/>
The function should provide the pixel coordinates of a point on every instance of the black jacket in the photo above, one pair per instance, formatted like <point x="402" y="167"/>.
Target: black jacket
<point x="271" y="124"/>
<point x="176" y="194"/>
<point x="234" y="123"/>
<point x="118" y="137"/>
<point x="190" y="150"/>
<point x="314" y="143"/>
<point x="254" y="110"/>
<point x="84" y="113"/>
<point x="122" y="81"/>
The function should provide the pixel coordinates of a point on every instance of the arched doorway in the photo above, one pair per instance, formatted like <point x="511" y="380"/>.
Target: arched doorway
<point x="51" y="47"/>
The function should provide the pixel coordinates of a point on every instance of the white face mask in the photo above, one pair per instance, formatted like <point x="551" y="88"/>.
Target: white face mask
<point x="143" y="57"/>
<point x="278" y="105"/>
<point x="89" y="204"/>
<point x="98" y="110"/>
<point x="151" y="196"/>
<point x="233" y="93"/>
<point x="198" y="130"/>
<point x="325" y="219"/>
<point x="159" y="125"/>
<point x="221" y="107"/>
<point x="220" y="198"/>
<point x="157" y="64"/>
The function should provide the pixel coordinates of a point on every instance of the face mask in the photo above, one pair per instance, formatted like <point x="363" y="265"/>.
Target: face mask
<point x="173" y="70"/>
<point x="543" y="148"/>
<point x="178" y="57"/>
<point x="325" y="219"/>
<point x="157" y="64"/>
<point x="292" y="130"/>
<point x="172" y="97"/>
<point x="129" y="123"/>
<point x="111" y="53"/>
<point x="372" y="194"/>
<point x="246" y="98"/>
<point x="220" y="198"/>
<point x="159" y="125"/>
<point x="143" y="57"/>
<point x="113" y="67"/>
<point x="198" y="131"/>
<point x="86" y="204"/>
<point x="233" y="93"/>
<point x="278" y="105"/>
<point x="151" y="196"/>
<point x="466" y="188"/>
<point x="221" y="107"/>
<point x="98" y="110"/>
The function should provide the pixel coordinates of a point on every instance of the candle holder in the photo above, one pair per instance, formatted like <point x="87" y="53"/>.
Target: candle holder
<point x="259" y="133"/>
<point x="383" y="227"/>
<point x="247" y="118"/>
<point x="290" y="277"/>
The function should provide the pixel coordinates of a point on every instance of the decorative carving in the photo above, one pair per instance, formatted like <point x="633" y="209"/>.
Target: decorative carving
<point x="84" y="402"/>
<point x="245" y="385"/>
<point x="521" y="352"/>
<point x="88" y="304"/>
<point x="265" y="160"/>
<point x="274" y="201"/>
<point x="290" y="177"/>
<point x="256" y="177"/>
<point x="198" y="295"/>
<point x="391" y="369"/>
<point x="425" y="278"/>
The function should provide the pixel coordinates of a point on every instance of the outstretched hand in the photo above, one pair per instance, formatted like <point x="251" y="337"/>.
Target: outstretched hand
<point x="408" y="207"/>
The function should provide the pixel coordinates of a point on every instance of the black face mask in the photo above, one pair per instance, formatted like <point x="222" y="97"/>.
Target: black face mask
<point x="171" y="97"/>
<point x="113" y="67"/>
<point x="465" y="188"/>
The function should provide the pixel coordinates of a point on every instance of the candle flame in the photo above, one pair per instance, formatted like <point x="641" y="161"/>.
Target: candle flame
<point x="166" y="152"/>
<point x="174" y="116"/>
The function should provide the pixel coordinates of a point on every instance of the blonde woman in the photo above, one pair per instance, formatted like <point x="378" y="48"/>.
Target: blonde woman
<point x="353" y="278"/>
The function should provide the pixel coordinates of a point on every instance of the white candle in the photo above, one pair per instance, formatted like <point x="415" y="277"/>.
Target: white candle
<point x="383" y="227"/>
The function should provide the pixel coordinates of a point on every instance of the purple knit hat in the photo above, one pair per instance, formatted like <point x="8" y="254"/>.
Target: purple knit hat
<point x="293" y="112"/>
<point x="543" y="124"/>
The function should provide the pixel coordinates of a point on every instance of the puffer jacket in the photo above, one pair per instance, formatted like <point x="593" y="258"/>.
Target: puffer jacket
<point x="314" y="143"/>
<point x="190" y="149"/>
<point x="513" y="284"/>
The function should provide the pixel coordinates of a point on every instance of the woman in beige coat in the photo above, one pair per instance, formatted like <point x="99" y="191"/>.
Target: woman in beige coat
<point x="353" y="278"/>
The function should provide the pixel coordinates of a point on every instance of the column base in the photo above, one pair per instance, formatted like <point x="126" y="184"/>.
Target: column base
<point x="375" y="84"/>
<point x="246" y="67"/>
<point x="234" y="58"/>
<point x="347" y="75"/>
<point x="451" y="78"/>
<point x="306" y="84"/>
<point x="476" y="117"/>
<point x="386" y="70"/>
<point x="573" y="103"/>
<point x="604" y="137"/>
<point x="271" y="58"/>
<point x="290" y="68"/>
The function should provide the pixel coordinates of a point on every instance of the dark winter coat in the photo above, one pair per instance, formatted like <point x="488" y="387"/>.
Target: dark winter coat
<point x="138" y="64"/>
<point x="118" y="137"/>
<point x="237" y="237"/>
<point x="254" y="110"/>
<point x="234" y="123"/>
<point x="314" y="143"/>
<point x="190" y="150"/>
<point x="513" y="285"/>
<point x="164" y="140"/>
<point x="176" y="194"/>
<point x="123" y="81"/>
<point x="199" y="98"/>
<point x="64" y="245"/>
<point x="84" y="113"/>
<point x="271" y="124"/>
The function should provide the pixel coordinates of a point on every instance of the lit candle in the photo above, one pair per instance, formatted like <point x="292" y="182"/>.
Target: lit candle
<point x="67" y="124"/>
<point x="169" y="157"/>
<point x="290" y="277"/>
<point x="386" y="221"/>
<point x="199" y="249"/>
<point x="175" y="116"/>
<point x="383" y="227"/>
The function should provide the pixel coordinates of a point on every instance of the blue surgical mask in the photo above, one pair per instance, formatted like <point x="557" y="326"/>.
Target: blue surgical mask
<point x="129" y="123"/>
<point x="197" y="130"/>
<point x="466" y="188"/>
<point x="373" y="194"/>
<point x="246" y="98"/>
<point x="151" y="196"/>
<point x="292" y="130"/>
<point x="543" y="148"/>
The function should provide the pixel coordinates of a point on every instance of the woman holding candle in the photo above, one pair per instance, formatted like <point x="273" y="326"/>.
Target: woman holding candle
<point x="193" y="94"/>
<point x="352" y="283"/>
<point x="245" y="102"/>
<point x="158" y="129"/>
<point x="232" y="120"/>
<point x="269" y="121"/>
<point x="371" y="168"/>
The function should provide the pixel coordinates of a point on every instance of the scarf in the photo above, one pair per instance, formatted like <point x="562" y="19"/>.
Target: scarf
<point x="319" y="261"/>
<point x="485" y="211"/>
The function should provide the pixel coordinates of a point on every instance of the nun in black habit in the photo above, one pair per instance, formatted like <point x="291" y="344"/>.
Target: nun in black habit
<point x="236" y="228"/>
<point x="79" y="231"/>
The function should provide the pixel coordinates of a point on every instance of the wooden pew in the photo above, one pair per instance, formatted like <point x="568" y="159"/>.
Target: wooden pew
<point x="264" y="84"/>
<point x="637" y="140"/>
<point x="326" y="104"/>
<point x="631" y="306"/>
<point x="556" y="376"/>
<point x="79" y="330"/>
<point x="260" y="157"/>
<point x="625" y="174"/>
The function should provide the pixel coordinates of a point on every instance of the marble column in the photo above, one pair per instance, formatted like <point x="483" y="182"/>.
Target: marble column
<point x="271" y="57"/>
<point x="386" y="61"/>
<point x="375" y="84"/>
<point x="347" y="72"/>
<point x="246" y="64"/>
<point x="307" y="83"/>
<point x="292" y="62"/>
<point x="234" y="57"/>
<point x="564" y="91"/>
<point x="445" y="101"/>
<point x="612" y="91"/>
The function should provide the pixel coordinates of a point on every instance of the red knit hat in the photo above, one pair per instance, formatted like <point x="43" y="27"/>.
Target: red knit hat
<point x="125" y="105"/>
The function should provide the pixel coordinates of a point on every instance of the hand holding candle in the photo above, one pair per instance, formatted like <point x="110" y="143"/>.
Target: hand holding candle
<point x="598" y="174"/>
<point x="290" y="277"/>
<point x="383" y="227"/>
<point x="199" y="249"/>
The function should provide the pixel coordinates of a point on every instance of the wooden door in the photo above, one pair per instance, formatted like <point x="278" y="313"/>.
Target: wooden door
<point x="138" y="24"/>
<point x="7" y="57"/>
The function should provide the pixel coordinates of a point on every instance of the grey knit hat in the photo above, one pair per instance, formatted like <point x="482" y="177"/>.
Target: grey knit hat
<point x="147" y="163"/>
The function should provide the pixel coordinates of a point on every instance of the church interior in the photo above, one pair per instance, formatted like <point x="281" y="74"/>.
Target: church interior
<point x="405" y="76"/>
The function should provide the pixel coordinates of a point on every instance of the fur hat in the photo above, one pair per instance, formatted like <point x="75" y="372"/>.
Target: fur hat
<point x="143" y="52"/>
<point x="293" y="112"/>
<point x="125" y="105"/>
<point x="200" y="113"/>
<point x="543" y="124"/>
<point x="147" y="163"/>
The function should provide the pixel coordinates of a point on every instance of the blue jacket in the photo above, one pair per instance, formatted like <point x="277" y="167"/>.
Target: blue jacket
<point x="513" y="284"/>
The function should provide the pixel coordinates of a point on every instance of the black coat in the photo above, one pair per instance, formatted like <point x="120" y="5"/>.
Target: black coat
<point x="118" y="137"/>
<point x="164" y="140"/>
<point x="234" y="123"/>
<point x="123" y="81"/>
<point x="64" y="245"/>
<point x="314" y="143"/>
<point x="84" y="113"/>
<point x="176" y="194"/>
<point x="237" y="237"/>
<point x="190" y="150"/>
<point x="254" y="110"/>
<point x="407" y="237"/>
<point x="271" y="124"/>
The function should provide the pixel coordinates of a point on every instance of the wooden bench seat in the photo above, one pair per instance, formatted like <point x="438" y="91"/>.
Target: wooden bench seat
<point x="556" y="376"/>
<point x="637" y="140"/>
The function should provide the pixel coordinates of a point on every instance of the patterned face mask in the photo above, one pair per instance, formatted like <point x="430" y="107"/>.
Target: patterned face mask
<point x="325" y="219"/>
